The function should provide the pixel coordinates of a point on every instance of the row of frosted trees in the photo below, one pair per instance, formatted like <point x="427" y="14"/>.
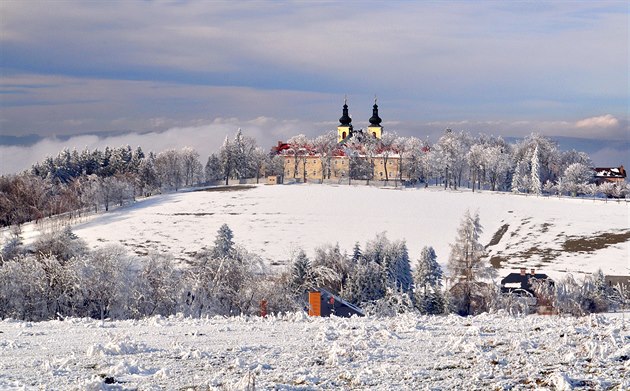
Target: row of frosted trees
<point x="74" y="181"/>
<point x="58" y="276"/>
<point x="533" y="165"/>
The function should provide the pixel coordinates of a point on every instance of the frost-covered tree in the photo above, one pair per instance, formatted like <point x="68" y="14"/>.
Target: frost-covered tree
<point x="575" y="178"/>
<point x="335" y="264"/>
<point x="105" y="278"/>
<point x="274" y="165"/>
<point x="613" y="190"/>
<point x="516" y="178"/>
<point x="535" y="180"/>
<point x="301" y="272"/>
<point x="548" y="156"/>
<point x="243" y="148"/>
<point x="157" y="287"/>
<point x="13" y="245"/>
<point x="227" y="159"/>
<point x="475" y="159"/>
<point x="450" y="154"/>
<point x="393" y="258"/>
<point x="190" y="165"/>
<point x="213" y="170"/>
<point x="572" y="156"/>
<point x="168" y="165"/>
<point x="398" y="268"/>
<point x="365" y="283"/>
<point x="357" y="256"/>
<point x="596" y="295"/>
<point x="63" y="245"/>
<point x="325" y="145"/>
<point x="416" y="150"/>
<point x="496" y="164"/>
<point x="466" y="258"/>
<point x="223" y="281"/>
<point x="223" y="243"/>
<point x="428" y="273"/>
<point x="148" y="179"/>
<point x="427" y="279"/>
<point x="22" y="286"/>
<point x="466" y="263"/>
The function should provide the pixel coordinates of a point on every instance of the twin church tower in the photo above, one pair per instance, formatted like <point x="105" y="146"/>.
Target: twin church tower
<point x="345" y="129"/>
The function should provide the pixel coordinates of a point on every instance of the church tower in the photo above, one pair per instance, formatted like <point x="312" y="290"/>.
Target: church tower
<point x="345" y="123"/>
<point x="375" y="129"/>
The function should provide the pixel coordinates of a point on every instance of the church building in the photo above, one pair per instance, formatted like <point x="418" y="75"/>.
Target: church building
<point x="358" y="154"/>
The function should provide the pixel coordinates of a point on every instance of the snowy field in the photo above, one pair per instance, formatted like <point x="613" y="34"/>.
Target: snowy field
<point x="553" y="235"/>
<point x="409" y="352"/>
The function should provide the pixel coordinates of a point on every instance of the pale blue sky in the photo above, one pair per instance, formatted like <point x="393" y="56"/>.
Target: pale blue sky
<point x="507" y="68"/>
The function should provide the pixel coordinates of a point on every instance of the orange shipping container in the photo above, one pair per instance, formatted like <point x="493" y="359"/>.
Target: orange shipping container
<point x="315" y="303"/>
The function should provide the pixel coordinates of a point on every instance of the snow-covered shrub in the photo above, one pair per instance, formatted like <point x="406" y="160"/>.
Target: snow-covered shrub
<point x="596" y="295"/>
<point x="157" y="287"/>
<point x="393" y="303"/>
<point x="12" y="246"/>
<point x="575" y="179"/>
<point x="470" y="298"/>
<point x="339" y="267"/>
<point x="37" y="288"/>
<point x="513" y="304"/>
<point x="613" y="190"/>
<point x="63" y="244"/>
<point x="224" y="280"/>
<point x="280" y="298"/>
<point x="106" y="278"/>
<point x="22" y="285"/>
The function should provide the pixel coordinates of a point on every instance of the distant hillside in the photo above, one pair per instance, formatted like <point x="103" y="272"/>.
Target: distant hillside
<point x="553" y="235"/>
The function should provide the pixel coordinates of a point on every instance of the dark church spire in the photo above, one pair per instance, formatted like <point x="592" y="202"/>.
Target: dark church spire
<point x="375" y="120"/>
<point x="345" y="119"/>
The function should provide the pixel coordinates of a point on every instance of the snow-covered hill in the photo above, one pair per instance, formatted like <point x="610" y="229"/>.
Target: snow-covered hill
<point x="553" y="235"/>
<point x="294" y="352"/>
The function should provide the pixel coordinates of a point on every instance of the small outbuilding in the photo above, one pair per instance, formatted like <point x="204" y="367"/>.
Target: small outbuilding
<point x="323" y="303"/>
<point x="273" y="180"/>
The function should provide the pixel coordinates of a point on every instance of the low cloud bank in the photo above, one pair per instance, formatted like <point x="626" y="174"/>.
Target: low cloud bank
<point x="206" y="139"/>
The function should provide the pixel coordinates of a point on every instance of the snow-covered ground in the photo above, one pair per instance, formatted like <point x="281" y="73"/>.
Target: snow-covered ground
<point x="294" y="352"/>
<point x="553" y="235"/>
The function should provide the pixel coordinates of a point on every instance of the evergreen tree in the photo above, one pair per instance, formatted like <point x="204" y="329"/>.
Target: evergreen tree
<point x="356" y="253"/>
<point x="301" y="271"/>
<point x="535" y="181"/>
<point x="428" y="282"/>
<point x="223" y="244"/>
<point x="366" y="283"/>
<point x="213" y="170"/>
<point x="398" y="268"/>
<point x="516" y="178"/>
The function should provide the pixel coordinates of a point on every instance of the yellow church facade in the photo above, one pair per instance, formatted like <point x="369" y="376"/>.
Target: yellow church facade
<point x="312" y="168"/>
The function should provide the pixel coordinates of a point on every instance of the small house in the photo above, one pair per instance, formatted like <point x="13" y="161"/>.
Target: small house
<point x="609" y="174"/>
<point x="521" y="283"/>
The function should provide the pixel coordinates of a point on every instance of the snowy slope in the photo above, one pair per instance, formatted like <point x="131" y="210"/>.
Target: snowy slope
<point x="295" y="352"/>
<point x="275" y="220"/>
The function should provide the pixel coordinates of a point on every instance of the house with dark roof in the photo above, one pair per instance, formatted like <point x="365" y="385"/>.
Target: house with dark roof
<point x="521" y="283"/>
<point x="609" y="174"/>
